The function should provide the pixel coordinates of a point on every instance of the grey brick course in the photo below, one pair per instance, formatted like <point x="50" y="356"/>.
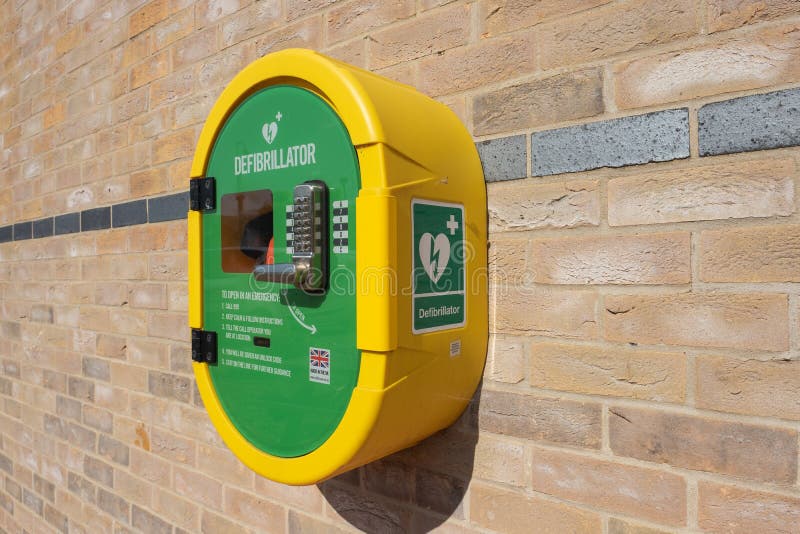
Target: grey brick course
<point x="658" y="136"/>
<point x="23" y="231"/>
<point x="43" y="228"/>
<point x="756" y="122"/>
<point x="96" y="219"/>
<point x="129" y="213"/>
<point x="168" y="207"/>
<point x="505" y="158"/>
<point x="68" y="223"/>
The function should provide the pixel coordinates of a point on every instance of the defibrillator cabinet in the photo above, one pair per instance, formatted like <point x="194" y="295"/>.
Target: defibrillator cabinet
<point x="337" y="266"/>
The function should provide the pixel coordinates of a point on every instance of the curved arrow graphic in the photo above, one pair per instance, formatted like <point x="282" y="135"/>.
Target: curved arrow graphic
<point x="312" y="328"/>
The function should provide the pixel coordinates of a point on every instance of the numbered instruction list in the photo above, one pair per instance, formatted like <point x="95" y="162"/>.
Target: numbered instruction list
<point x="238" y="326"/>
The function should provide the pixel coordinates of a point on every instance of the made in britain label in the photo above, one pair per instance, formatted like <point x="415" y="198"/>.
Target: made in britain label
<point x="319" y="365"/>
<point x="439" y="275"/>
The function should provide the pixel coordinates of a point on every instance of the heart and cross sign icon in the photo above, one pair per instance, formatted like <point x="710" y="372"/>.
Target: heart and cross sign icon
<point x="270" y="129"/>
<point x="434" y="252"/>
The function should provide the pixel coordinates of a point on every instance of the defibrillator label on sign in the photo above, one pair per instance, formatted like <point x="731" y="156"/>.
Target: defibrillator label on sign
<point x="439" y="275"/>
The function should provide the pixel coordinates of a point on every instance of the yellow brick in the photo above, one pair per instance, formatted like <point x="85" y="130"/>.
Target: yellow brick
<point x="253" y="21"/>
<point x="307" y="498"/>
<point x="646" y="493"/>
<point x="248" y="508"/>
<point x="127" y="321"/>
<point x="173" y="448"/>
<point x="32" y="209"/>
<point x="69" y="40"/>
<point x="174" y="146"/>
<point x="468" y="67"/>
<point x="741" y="511"/>
<point x="55" y="114"/>
<point x="508" y="262"/>
<point x="361" y="16"/>
<point x="148" y="15"/>
<point x="171" y="88"/>
<point x="727" y="14"/>
<point x="136" y="50"/>
<point x="501" y="16"/>
<point x="133" y="489"/>
<point x="402" y="72"/>
<point x="178" y="297"/>
<point x="111" y="398"/>
<point x="753" y="452"/>
<point x="147" y="238"/>
<point x="209" y="11"/>
<point x="554" y="99"/>
<point x="304" y="34"/>
<point x="111" y="268"/>
<point x="148" y="353"/>
<point x="427" y="34"/>
<point x="224" y="466"/>
<point x="149" y="467"/>
<point x="111" y="241"/>
<point x="756" y="321"/>
<point x="759" y="188"/>
<point x="182" y="512"/>
<point x="150" y="69"/>
<point x="192" y="49"/>
<point x="148" y="182"/>
<point x="130" y="158"/>
<point x="149" y="296"/>
<point x="151" y="124"/>
<point x="173" y="29"/>
<point x="511" y="470"/>
<point x="169" y="266"/>
<point x="615" y="28"/>
<point x="458" y="105"/>
<point x="299" y="8"/>
<point x="618" y="526"/>
<point x="179" y="173"/>
<point x="624" y="259"/>
<point x="217" y="71"/>
<point x="616" y="372"/>
<point x="129" y="377"/>
<point x="751" y="387"/>
<point x="507" y="511"/>
<point x="353" y="52"/>
<point x="111" y="139"/>
<point x="527" y="205"/>
<point x="560" y="313"/>
<point x="201" y="489"/>
<point x="168" y="326"/>
<point x="505" y="361"/>
<point x="770" y="57"/>
<point x="751" y="254"/>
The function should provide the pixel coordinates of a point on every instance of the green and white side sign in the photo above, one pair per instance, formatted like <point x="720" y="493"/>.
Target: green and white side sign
<point x="439" y="274"/>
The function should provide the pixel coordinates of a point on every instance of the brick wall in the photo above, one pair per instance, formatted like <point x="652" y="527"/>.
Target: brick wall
<point x="644" y="365"/>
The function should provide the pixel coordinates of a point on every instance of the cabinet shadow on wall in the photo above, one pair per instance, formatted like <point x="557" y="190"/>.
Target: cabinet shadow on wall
<point x="414" y="490"/>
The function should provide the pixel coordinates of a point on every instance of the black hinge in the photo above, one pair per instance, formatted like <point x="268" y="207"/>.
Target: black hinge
<point x="202" y="194"/>
<point x="204" y="346"/>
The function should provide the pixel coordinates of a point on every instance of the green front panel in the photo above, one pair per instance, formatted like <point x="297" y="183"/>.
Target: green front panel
<point x="287" y="362"/>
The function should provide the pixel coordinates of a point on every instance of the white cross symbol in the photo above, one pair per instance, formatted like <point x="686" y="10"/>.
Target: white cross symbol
<point x="452" y="225"/>
<point x="279" y="116"/>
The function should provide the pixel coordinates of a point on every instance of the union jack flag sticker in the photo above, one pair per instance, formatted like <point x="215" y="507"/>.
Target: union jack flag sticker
<point x="319" y="365"/>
